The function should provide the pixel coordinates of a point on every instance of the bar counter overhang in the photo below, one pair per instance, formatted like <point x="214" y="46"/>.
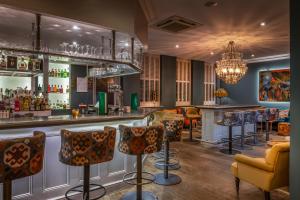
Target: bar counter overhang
<point x="56" y="178"/>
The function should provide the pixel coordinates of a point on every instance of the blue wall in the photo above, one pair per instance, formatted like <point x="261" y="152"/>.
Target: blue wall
<point x="246" y="91"/>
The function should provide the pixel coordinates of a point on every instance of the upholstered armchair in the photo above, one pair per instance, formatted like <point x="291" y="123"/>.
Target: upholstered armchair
<point x="266" y="173"/>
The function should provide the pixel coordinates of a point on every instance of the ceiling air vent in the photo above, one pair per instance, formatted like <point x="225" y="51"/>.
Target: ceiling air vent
<point x="176" y="24"/>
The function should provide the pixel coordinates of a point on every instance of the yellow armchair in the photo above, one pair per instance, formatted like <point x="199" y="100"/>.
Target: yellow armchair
<point x="266" y="173"/>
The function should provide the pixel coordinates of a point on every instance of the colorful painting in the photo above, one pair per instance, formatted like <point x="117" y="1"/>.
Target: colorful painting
<point x="274" y="85"/>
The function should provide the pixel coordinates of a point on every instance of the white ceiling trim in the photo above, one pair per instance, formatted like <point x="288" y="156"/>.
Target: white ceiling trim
<point x="268" y="58"/>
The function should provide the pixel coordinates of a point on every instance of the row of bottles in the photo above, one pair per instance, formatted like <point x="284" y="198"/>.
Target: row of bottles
<point x="20" y="63"/>
<point x="59" y="105"/>
<point x="22" y="100"/>
<point x="59" y="73"/>
<point x="57" y="89"/>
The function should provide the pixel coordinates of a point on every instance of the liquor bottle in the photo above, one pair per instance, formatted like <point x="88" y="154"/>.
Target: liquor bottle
<point x="68" y="73"/>
<point x="51" y="73"/>
<point x="48" y="88"/>
<point x="65" y="73"/>
<point x="43" y="105"/>
<point x="37" y="104"/>
<point x="61" y="73"/>
<point x="32" y="104"/>
<point x="1" y="94"/>
<point x="55" y="73"/>
<point x="55" y="89"/>
<point x="17" y="104"/>
<point x="39" y="88"/>
<point x="61" y="90"/>
<point x="26" y="105"/>
<point x="30" y="65"/>
<point x="67" y="90"/>
<point x="47" y="106"/>
<point x="65" y="105"/>
<point x="2" y="62"/>
<point x="22" y="65"/>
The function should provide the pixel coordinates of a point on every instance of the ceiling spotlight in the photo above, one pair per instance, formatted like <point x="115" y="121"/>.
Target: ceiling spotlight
<point x="126" y="44"/>
<point x="68" y="30"/>
<point x="177" y="46"/>
<point x="74" y="43"/>
<point x="88" y="33"/>
<point x="211" y="4"/>
<point x="76" y="27"/>
<point x="262" y="23"/>
<point x="56" y="25"/>
<point x="252" y="55"/>
<point x="212" y="53"/>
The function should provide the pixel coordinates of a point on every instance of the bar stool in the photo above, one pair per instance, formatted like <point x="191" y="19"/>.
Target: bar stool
<point x="261" y="118"/>
<point x="191" y="118"/>
<point x="85" y="149"/>
<point x="248" y="118"/>
<point x="20" y="157"/>
<point x="230" y="119"/>
<point x="272" y="117"/>
<point x="172" y="133"/>
<point x="139" y="141"/>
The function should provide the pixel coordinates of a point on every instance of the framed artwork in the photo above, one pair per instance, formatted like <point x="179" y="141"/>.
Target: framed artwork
<point x="274" y="85"/>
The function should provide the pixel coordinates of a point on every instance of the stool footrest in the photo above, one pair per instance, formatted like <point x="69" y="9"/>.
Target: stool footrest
<point x="79" y="189"/>
<point x="131" y="176"/>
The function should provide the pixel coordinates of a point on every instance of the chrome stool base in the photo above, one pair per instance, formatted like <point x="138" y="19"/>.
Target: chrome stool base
<point x="229" y="152"/>
<point x="145" y="196"/>
<point x="172" y="179"/>
<point x="160" y="164"/>
<point x="79" y="190"/>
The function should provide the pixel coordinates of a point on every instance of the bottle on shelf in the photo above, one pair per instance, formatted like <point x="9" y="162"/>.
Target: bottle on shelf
<point x="67" y="90"/>
<point x="49" y="88"/>
<point x="17" y="104"/>
<point x="39" y="89"/>
<point x="2" y="62"/>
<point x="22" y="65"/>
<point x="65" y="74"/>
<point x="54" y="89"/>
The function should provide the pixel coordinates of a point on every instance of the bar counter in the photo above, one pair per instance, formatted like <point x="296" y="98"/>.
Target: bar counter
<point x="56" y="178"/>
<point x="211" y="131"/>
<point x="31" y="122"/>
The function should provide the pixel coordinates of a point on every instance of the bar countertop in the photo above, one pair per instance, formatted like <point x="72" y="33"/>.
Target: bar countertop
<point x="30" y="122"/>
<point x="220" y="107"/>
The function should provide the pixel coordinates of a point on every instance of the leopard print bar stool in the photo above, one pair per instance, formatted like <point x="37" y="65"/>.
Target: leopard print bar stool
<point x="20" y="157"/>
<point x="85" y="149"/>
<point x="173" y="129"/>
<point x="139" y="141"/>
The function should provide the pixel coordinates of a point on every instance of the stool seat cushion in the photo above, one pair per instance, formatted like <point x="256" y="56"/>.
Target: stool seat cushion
<point x="21" y="157"/>
<point x="140" y="140"/>
<point x="87" y="148"/>
<point x="173" y="130"/>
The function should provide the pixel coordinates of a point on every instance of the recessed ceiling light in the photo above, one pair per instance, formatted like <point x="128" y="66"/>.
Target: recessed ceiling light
<point x="126" y="44"/>
<point x="211" y="4"/>
<point x="76" y="27"/>
<point x="212" y="53"/>
<point x="177" y="46"/>
<point x="68" y="30"/>
<point x="56" y="25"/>
<point x="74" y="43"/>
<point x="88" y="33"/>
<point x="262" y="23"/>
<point x="252" y="55"/>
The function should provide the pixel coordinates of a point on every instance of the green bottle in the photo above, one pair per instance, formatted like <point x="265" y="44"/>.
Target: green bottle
<point x="134" y="102"/>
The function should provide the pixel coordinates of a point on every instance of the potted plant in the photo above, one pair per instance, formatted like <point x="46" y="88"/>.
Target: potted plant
<point x="221" y="93"/>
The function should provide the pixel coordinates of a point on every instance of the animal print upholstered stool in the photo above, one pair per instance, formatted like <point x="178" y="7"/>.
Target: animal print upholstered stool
<point x="20" y="157"/>
<point x="85" y="149"/>
<point x="139" y="141"/>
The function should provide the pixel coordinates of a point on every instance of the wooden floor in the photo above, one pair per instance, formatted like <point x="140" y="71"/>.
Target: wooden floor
<point x="205" y="174"/>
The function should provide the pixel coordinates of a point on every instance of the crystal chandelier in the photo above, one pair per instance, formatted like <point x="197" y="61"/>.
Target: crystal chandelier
<point x="231" y="68"/>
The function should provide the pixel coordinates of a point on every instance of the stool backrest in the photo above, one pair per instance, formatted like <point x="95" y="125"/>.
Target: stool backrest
<point x="250" y="116"/>
<point x="232" y="119"/>
<point x="272" y="114"/>
<point x="140" y="140"/>
<point x="87" y="148"/>
<point x="173" y="130"/>
<point x="21" y="157"/>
